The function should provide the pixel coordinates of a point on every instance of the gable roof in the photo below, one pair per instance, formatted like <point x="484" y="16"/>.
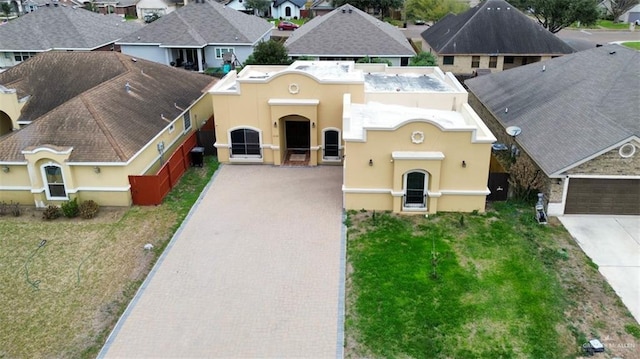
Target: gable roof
<point x="298" y="3"/>
<point x="492" y="27"/>
<point x="63" y="27"/>
<point x="200" y="24"/>
<point x="578" y="106"/>
<point x="348" y="31"/>
<point x="100" y="120"/>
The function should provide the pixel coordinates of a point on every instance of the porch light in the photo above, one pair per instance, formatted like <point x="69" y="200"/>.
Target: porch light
<point x="275" y="125"/>
<point x="5" y="169"/>
<point x="464" y="164"/>
<point x="96" y="169"/>
<point x="370" y="162"/>
<point x="313" y="125"/>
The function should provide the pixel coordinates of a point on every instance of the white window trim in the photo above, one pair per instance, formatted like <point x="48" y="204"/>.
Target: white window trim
<point x="332" y="158"/>
<point x="46" y="182"/>
<point x="237" y="157"/>
<point x="426" y="191"/>
<point x="184" y="121"/>
<point x="221" y="54"/>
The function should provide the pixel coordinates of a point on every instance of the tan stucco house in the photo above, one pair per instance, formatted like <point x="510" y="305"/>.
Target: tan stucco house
<point x="405" y="136"/>
<point x="490" y="37"/>
<point x="77" y="124"/>
<point x="579" y="126"/>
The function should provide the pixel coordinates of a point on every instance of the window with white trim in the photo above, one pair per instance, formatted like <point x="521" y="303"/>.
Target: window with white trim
<point x="415" y="190"/>
<point x="54" y="182"/>
<point x="23" y="56"/>
<point x="331" y="145"/>
<point x="245" y="142"/>
<point x="220" y="51"/>
<point x="187" y="121"/>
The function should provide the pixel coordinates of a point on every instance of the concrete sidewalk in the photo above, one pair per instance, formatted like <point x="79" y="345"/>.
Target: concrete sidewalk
<point x="256" y="271"/>
<point x="613" y="243"/>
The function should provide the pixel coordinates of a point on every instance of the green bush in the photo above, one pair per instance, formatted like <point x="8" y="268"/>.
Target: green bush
<point x="89" y="209"/>
<point x="16" y="211"/>
<point x="51" y="212"/>
<point x="70" y="208"/>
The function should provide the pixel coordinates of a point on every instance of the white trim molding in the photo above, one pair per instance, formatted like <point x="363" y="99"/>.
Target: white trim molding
<point x="417" y="155"/>
<point x="455" y="192"/>
<point x="293" y="102"/>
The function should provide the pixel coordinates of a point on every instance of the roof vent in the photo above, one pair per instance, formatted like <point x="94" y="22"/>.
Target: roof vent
<point x="544" y="68"/>
<point x="127" y="87"/>
<point x="350" y="10"/>
<point x="612" y="52"/>
<point x="344" y="10"/>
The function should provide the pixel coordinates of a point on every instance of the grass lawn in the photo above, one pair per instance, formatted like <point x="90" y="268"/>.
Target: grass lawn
<point x="632" y="44"/>
<point x="494" y="285"/>
<point x="608" y="24"/>
<point x="62" y="297"/>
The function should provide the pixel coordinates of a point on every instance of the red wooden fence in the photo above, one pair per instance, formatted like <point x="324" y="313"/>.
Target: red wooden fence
<point x="150" y="190"/>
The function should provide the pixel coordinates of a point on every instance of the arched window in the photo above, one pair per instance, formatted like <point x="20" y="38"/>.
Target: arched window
<point x="54" y="182"/>
<point x="415" y="189"/>
<point x="331" y="146"/>
<point x="287" y="11"/>
<point x="245" y="142"/>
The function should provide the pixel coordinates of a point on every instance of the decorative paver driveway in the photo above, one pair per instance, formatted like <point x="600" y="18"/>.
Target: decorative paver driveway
<point x="255" y="272"/>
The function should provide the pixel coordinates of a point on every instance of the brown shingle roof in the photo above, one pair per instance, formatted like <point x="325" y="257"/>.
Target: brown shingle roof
<point x="81" y="102"/>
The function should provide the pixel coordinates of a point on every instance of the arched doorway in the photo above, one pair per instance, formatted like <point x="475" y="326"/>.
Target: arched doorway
<point x="5" y="124"/>
<point x="297" y="139"/>
<point x="415" y="190"/>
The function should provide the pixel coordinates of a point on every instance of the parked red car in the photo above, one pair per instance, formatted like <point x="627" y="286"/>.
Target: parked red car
<point x="287" y="25"/>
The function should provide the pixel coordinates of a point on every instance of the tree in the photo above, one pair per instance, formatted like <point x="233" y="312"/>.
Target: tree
<point x="269" y="53"/>
<point x="379" y="6"/>
<point x="554" y="15"/>
<point x="526" y="179"/>
<point x="6" y="9"/>
<point x="261" y="6"/>
<point x="423" y="59"/>
<point x="373" y="60"/>
<point x="618" y="7"/>
<point x="434" y="10"/>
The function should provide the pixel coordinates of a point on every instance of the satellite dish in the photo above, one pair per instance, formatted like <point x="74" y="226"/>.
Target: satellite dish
<point x="513" y="131"/>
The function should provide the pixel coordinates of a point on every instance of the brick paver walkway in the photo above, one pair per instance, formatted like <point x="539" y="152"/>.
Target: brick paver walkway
<point x="255" y="272"/>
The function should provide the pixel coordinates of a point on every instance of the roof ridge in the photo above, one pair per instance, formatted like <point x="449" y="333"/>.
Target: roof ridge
<point x="479" y="6"/>
<point x="103" y="127"/>
<point x="190" y="30"/>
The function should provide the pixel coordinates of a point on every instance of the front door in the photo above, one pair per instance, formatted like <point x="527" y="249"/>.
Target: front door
<point x="297" y="135"/>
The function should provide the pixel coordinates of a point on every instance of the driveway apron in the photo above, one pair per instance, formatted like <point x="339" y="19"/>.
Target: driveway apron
<point x="256" y="271"/>
<point x="613" y="243"/>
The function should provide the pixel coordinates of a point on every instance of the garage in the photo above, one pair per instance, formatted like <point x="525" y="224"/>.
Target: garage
<point x="603" y="196"/>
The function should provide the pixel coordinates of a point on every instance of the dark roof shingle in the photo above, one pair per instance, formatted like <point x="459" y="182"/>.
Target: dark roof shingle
<point x="63" y="27"/>
<point x="493" y="27"/>
<point x="199" y="24"/>
<point x="348" y="31"/>
<point x="97" y="117"/>
<point x="569" y="108"/>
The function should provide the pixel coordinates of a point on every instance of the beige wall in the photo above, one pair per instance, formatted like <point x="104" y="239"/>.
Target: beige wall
<point x="11" y="106"/>
<point x="454" y="187"/>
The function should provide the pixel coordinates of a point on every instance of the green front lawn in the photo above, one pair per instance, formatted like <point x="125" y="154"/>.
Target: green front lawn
<point x="466" y="286"/>
<point x="632" y="44"/>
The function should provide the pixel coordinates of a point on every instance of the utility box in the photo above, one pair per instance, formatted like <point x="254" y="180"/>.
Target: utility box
<point x="197" y="156"/>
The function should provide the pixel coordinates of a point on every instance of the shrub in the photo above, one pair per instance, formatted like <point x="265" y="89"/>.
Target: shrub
<point x="16" y="211"/>
<point x="89" y="209"/>
<point x="3" y="208"/>
<point x="51" y="212"/>
<point x="70" y="208"/>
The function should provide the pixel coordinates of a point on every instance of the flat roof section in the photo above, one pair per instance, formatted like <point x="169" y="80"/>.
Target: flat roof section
<point x="408" y="82"/>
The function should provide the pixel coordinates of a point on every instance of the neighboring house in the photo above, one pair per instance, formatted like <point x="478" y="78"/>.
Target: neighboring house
<point x="631" y="16"/>
<point x="580" y="121"/>
<point x="62" y="28"/>
<point x="321" y="7"/>
<point x="287" y="9"/>
<point x="151" y="7"/>
<point x="77" y="124"/>
<point x="348" y="33"/>
<point x="493" y="36"/>
<point x="405" y="136"/>
<point x="118" y="7"/>
<point x="197" y="36"/>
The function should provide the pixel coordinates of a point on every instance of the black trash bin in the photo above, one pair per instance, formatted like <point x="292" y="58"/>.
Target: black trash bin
<point x="197" y="156"/>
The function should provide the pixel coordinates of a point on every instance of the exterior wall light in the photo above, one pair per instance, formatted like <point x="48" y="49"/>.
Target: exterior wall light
<point x="464" y="164"/>
<point x="6" y="169"/>
<point x="313" y="125"/>
<point x="96" y="169"/>
<point x="275" y="125"/>
<point x="370" y="162"/>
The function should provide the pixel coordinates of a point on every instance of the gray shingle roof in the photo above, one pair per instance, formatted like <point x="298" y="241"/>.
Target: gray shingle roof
<point x="580" y="105"/>
<point x="199" y="24"/>
<point x="298" y="3"/>
<point x="63" y="27"/>
<point x="492" y="27"/>
<point x="100" y="120"/>
<point x="349" y="33"/>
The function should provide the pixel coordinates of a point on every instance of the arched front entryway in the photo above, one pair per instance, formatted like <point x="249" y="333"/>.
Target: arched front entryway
<point x="5" y="124"/>
<point x="415" y="190"/>
<point x="297" y="139"/>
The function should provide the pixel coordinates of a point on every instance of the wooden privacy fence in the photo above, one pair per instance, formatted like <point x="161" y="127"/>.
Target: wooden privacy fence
<point x="150" y="190"/>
